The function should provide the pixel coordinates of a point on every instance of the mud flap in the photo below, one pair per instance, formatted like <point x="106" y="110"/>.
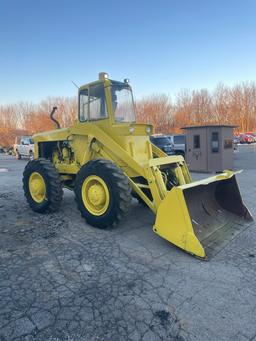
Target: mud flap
<point x="202" y="217"/>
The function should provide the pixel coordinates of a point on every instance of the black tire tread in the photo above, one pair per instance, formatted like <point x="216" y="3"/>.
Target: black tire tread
<point x="122" y="185"/>
<point x="55" y="191"/>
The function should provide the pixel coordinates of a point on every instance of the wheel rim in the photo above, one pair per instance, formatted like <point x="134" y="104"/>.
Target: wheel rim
<point x="95" y="195"/>
<point x="37" y="187"/>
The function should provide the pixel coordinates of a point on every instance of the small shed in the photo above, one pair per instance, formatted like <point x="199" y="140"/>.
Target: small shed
<point x="209" y="148"/>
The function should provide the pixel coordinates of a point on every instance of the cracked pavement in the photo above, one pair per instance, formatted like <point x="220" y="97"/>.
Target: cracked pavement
<point x="61" y="279"/>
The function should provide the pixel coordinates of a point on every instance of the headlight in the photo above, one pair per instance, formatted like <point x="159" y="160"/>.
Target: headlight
<point x="103" y="75"/>
<point x="148" y="129"/>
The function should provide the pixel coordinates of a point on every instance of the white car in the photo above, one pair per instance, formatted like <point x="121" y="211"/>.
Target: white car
<point x="179" y="144"/>
<point x="24" y="147"/>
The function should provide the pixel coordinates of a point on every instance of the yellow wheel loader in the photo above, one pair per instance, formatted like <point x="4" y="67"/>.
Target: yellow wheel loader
<point x="106" y="158"/>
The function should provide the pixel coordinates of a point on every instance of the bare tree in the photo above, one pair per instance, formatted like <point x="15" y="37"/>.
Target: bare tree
<point x="224" y="105"/>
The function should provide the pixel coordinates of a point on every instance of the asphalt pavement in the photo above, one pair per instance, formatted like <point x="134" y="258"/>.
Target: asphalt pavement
<point x="61" y="279"/>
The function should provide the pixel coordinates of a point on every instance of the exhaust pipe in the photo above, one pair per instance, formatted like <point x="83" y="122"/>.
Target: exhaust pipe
<point x="54" y="119"/>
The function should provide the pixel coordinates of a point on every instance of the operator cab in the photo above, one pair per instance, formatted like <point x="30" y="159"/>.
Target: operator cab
<point x="105" y="99"/>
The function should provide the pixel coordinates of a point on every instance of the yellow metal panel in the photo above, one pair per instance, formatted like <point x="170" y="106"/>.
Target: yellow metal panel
<point x="222" y="176"/>
<point x="67" y="169"/>
<point x="173" y="223"/>
<point x="36" y="151"/>
<point x="157" y="151"/>
<point x="165" y="160"/>
<point x="52" y="135"/>
<point x="180" y="176"/>
<point x="85" y="86"/>
<point x="108" y="142"/>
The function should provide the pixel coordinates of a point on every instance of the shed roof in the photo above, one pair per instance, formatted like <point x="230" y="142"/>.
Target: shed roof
<point x="211" y="126"/>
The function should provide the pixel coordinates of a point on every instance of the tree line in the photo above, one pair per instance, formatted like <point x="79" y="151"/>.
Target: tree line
<point x="223" y="105"/>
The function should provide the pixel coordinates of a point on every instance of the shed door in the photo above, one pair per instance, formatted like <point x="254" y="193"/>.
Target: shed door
<point x="197" y="149"/>
<point x="214" y="150"/>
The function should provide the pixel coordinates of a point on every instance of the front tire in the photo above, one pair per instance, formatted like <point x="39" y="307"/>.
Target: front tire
<point x="103" y="193"/>
<point x="42" y="186"/>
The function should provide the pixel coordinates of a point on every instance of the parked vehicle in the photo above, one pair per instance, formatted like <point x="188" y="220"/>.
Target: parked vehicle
<point x="163" y="142"/>
<point x="244" y="138"/>
<point x="252" y="135"/>
<point x="24" y="147"/>
<point x="179" y="143"/>
<point x="236" y="140"/>
<point x="250" y="138"/>
<point x="10" y="151"/>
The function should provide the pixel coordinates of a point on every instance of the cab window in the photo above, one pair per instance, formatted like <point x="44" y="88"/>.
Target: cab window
<point x="122" y="102"/>
<point x="97" y="103"/>
<point x="83" y="105"/>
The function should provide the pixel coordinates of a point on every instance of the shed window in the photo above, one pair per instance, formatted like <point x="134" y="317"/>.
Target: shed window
<point x="196" y="141"/>
<point x="228" y="144"/>
<point x="215" y="142"/>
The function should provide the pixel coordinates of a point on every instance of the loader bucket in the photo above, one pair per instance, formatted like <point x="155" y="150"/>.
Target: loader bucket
<point x="201" y="217"/>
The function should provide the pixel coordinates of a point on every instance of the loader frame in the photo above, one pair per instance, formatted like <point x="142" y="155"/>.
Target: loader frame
<point x="128" y="146"/>
<point x="98" y="141"/>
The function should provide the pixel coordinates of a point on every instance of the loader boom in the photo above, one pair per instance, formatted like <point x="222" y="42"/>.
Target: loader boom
<point x="187" y="213"/>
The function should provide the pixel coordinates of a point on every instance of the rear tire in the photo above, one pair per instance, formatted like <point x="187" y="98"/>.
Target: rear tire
<point x="42" y="186"/>
<point x="103" y="193"/>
